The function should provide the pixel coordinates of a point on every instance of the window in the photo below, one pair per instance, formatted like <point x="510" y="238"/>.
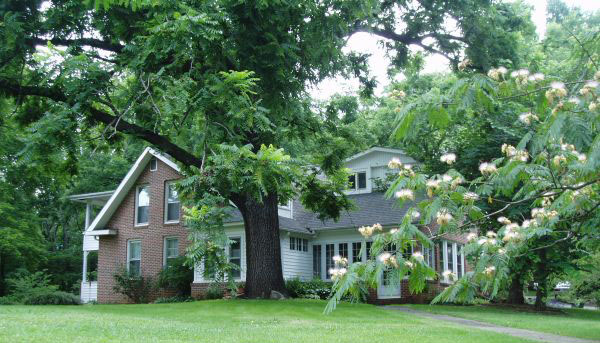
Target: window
<point x="452" y="258"/>
<point x="153" y="164"/>
<point x="171" y="203"/>
<point x="329" y="264"/>
<point x="142" y="205"/>
<point x="235" y="256"/>
<point x="134" y="257"/>
<point x="171" y="249"/>
<point x="357" y="181"/>
<point x="317" y="261"/>
<point x="299" y="244"/>
<point x="459" y="264"/>
<point x="406" y="252"/>
<point x="369" y="244"/>
<point x="429" y="256"/>
<point x="442" y="267"/>
<point x="356" y="256"/>
<point x="343" y="250"/>
<point x="449" y="257"/>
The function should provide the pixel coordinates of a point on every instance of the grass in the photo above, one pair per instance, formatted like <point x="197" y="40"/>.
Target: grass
<point x="228" y="321"/>
<point x="572" y="322"/>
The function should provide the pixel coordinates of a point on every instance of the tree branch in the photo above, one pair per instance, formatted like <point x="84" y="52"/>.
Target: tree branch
<point x="410" y="39"/>
<point x="121" y="125"/>
<point x="91" y="42"/>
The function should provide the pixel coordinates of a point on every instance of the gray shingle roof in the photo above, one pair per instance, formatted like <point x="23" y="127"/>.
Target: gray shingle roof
<point x="371" y="208"/>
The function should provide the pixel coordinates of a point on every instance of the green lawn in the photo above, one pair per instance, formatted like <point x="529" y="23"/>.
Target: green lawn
<point x="227" y="321"/>
<point x="575" y="322"/>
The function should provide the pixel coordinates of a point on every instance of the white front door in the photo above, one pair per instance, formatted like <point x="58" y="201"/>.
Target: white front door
<point x="388" y="289"/>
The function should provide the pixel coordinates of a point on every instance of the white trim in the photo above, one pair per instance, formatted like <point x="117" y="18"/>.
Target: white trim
<point x="165" y="239"/>
<point x="137" y="193"/>
<point x="101" y="233"/>
<point x="128" y="181"/>
<point x="455" y="256"/>
<point x="367" y="188"/>
<point x="166" y="204"/>
<point x="361" y="154"/>
<point x="228" y="252"/>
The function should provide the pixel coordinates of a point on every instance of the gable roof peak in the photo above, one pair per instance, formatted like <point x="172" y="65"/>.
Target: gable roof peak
<point x="128" y="181"/>
<point x="376" y="149"/>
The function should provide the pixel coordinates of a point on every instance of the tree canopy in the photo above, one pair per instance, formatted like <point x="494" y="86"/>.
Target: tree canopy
<point x="220" y="86"/>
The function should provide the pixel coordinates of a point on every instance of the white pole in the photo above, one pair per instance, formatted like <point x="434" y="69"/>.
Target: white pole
<point x="85" y="256"/>
<point x="88" y="215"/>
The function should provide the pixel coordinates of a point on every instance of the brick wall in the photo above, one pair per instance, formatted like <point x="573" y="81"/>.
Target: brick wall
<point x="112" y="254"/>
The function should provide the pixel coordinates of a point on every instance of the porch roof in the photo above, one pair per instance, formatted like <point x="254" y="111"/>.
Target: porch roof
<point x="96" y="198"/>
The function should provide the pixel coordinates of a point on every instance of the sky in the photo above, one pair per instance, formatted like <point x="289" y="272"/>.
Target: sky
<point x="364" y="42"/>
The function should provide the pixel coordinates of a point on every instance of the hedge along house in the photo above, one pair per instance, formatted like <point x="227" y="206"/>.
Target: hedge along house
<point x="140" y="228"/>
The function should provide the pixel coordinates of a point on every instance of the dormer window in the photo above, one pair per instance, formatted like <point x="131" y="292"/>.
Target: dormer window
<point x="357" y="181"/>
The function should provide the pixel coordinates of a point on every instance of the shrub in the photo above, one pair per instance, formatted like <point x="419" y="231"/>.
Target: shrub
<point x="295" y="287"/>
<point x="175" y="299"/>
<point x="53" y="298"/>
<point x="177" y="276"/>
<point x="8" y="300"/>
<point x="25" y="285"/>
<point x="136" y="288"/>
<point x="313" y="289"/>
<point x="214" y="291"/>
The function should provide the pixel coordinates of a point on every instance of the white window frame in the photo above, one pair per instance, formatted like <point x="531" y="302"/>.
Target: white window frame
<point x="154" y="161"/>
<point x="336" y="252"/>
<point x="355" y="188"/>
<point x="165" y="248"/>
<point x="299" y="244"/>
<point x="137" y="198"/>
<point x="429" y="256"/>
<point x="454" y="257"/>
<point x="166" y="204"/>
<point x="129" y="254"/>
<point x="228" y="252"/>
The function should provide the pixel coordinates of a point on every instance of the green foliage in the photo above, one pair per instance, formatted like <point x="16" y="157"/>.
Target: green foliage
<point x="177" y="276"/>
<point x="53" y="298"/>
<point x="35" y="289"/>
<point x="313" y="289"/>
<point x="175" y="299"/>
<point x="136" y="288"/>
<point x="24" y="285"/>
<point x="214" y="291"/>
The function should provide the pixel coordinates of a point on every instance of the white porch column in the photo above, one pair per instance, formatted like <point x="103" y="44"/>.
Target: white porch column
<point x="85" y="257"/>
<point x="88" y="215"/>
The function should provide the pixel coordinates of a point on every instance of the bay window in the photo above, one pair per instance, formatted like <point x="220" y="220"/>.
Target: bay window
<point x="452" y="258"/>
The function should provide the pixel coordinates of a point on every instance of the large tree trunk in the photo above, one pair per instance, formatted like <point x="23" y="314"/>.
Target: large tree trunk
<point x="540" y="295"/>
<point x="263" y="250"/>
<point x="515" y="291"/>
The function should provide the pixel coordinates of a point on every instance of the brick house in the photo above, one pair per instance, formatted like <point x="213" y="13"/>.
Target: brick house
<point x="139" y="227"/>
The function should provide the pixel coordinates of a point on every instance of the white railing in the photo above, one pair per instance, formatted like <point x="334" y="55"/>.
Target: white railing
<point x="89" y="291"/>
